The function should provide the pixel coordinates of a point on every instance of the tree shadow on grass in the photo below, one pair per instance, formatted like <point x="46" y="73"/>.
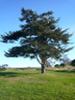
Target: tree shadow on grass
<point x="16" y="74"/>
<point x="65" y="71"/>
<point x="9" y="74"/>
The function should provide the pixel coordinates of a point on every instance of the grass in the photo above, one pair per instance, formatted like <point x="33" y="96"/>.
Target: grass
<point x="29" y="84"/>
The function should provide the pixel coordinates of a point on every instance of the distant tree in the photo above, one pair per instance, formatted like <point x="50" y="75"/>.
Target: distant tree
<point x="57" y="65"/>
<point x="3" y="67"/>
<point x="40" y="37"/>
<point x="62" y="65"/>
<point x="73" y="62"/>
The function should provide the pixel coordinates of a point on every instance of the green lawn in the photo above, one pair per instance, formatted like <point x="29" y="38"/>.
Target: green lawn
<point x="32" y="85"/>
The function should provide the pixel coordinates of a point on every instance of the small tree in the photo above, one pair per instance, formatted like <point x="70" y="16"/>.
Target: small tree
<point x="40" y="37"/>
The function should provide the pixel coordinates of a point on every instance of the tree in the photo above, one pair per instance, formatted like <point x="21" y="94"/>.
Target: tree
<point x="3" y="67"/>
<point x="39" y="37"/>
<point x="73" y="62"/>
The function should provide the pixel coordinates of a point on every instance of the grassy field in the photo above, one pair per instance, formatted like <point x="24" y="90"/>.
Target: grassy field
<point x="30" y="84"/>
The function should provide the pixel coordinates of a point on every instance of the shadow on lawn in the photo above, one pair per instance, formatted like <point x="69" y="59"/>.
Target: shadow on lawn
<point x="65" y="71"/>
<point x="9" y="74"/>
<point x="16" y="74"/>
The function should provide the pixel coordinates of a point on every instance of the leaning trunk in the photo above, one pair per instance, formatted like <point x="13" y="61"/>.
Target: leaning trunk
<point x="42" y="68"/>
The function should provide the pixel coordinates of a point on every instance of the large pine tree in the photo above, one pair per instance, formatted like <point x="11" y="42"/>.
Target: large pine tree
<point x="39" y="37"/>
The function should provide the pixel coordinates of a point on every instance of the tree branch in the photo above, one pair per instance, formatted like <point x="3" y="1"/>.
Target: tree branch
<point x="38" y="59"/>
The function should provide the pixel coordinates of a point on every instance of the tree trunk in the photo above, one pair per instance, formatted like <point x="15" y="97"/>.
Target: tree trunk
<point x="42" y="68"/>
<point x="42" y="62"/>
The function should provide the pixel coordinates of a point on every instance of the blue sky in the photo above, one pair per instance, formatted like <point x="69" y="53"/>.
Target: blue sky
<point x="9" y="21"/>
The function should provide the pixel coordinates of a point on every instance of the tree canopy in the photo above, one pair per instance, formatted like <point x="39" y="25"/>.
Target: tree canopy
<point x="39" y="37"/>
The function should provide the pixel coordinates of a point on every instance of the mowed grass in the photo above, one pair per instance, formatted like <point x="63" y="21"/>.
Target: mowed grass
<point x="30" y="84"/>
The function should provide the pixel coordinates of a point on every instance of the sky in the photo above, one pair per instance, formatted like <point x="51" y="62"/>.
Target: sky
<point x="10" y="12"/>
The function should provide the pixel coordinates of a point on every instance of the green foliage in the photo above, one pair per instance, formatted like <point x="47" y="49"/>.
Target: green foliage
<point x="29" y="84"/>
<point x="73" y="62"/>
